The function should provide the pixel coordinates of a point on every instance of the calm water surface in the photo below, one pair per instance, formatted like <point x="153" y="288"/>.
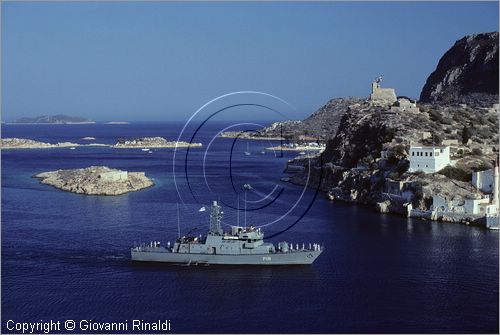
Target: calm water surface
<point x="66" y="256"/>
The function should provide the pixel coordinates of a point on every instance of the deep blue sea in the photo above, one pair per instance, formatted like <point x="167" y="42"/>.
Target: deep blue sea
<point x="66" y="256"/>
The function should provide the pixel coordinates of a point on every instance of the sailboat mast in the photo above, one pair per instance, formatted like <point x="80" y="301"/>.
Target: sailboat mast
<point x="281" y="139"/>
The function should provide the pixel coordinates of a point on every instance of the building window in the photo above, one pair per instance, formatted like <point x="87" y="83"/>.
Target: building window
<point x="426" y="165"/>
<point x="418" y="165"/>
<point x="413" y="153"/>
<point x="430" y="154"/>
<point x="426" y="154"/>
<point x="437" y="153"/>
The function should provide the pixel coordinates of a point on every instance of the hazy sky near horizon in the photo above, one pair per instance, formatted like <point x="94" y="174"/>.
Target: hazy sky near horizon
<point x="163" y="60"/>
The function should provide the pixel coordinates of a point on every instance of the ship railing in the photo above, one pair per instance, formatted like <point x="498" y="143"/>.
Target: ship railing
<point x="298" y="248"/>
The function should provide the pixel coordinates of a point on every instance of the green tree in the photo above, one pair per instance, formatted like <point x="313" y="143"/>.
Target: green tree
<point x="437" y="139"/>
<point x="465" y="135"/>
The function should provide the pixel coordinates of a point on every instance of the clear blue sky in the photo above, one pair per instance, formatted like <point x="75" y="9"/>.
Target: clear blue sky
<point x="163" y="60"/>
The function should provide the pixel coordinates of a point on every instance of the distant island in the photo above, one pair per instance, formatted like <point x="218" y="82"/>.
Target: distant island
<point x="142" y="142"/>
<point x="54" y="119"/>
<point x="117" y="122"/>
<point x="153" y="142"/>
<point x="96" y="180"/>
<point x="24" y="143"/>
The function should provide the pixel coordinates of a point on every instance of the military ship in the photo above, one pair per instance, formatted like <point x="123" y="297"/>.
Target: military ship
<point x="238" y="246"/>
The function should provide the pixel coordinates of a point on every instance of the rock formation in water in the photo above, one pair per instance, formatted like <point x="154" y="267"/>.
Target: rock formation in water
<point x="24" y="143"/>
<point x="467" y="73"/>
<point x="144" y="142"/>
<point x="96" y="180"/>
<point x="153" y="142"/>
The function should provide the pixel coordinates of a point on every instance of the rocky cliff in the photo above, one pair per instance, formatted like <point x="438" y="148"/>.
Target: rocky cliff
<point x="370" y="151"/>
<point x="322" y="124"/>
<point x="367" y="161"/>
<point x="467" y="73"/>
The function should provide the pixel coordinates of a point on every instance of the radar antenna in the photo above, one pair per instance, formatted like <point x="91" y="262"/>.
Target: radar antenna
<point x="215" y="219"/>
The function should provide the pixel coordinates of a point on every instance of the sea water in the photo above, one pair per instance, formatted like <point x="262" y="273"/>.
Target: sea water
<point x="66" y="256"/>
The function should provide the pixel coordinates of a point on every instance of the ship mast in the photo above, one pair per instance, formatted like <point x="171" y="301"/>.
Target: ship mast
<point x="238" y="211"/>
<point x="215" y="219"/>
<point x="178" y="222"/>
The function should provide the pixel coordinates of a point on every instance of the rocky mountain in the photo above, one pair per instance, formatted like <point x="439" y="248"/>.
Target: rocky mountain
<point x="370" y="150"/>
<point x="372" y="145"/>
<point x="467" y="73"/>
<point x="322" y="124"/>
<point x="51" y="119"/>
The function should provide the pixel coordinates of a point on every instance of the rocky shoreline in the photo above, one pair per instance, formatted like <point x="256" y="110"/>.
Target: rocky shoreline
<point x="96" y="180"/>
<point x="249" y="135"/>
<point x="305" y="148"/>
<point x="368" y="157"/>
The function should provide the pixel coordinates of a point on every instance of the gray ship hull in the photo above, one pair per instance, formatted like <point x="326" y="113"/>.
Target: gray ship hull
<point x="238" y="246"/>
<point x="300" y="257"/>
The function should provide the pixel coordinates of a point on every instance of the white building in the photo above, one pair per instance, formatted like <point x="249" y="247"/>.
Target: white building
<point x="487" y="181"/>
<point x="429" y="159"/>
<point x="492" y="222"/>
<point x="404" y="104"/>
<point x="111" y="176"/>
<point x="482" y="206"/>
<point x="399" y="189"/>
<point x="483" y="180"/>
<point x="442" y="204"/>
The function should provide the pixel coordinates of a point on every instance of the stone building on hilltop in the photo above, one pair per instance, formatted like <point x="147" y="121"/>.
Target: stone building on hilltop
<point x="405" y="104"/>
<point x="382" y="95"/>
